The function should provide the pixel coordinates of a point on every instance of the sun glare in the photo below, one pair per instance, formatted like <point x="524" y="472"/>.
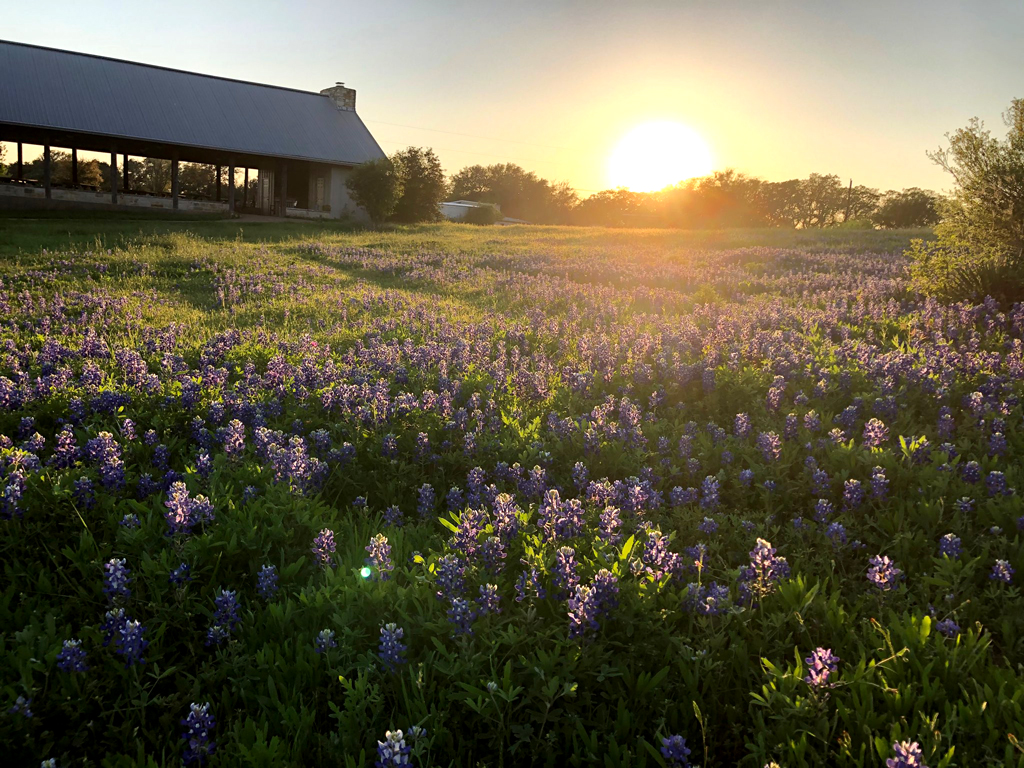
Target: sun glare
<point x="656" y="155"/>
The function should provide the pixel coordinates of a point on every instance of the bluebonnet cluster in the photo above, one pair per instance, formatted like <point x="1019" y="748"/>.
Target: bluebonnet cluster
<point x="820" y="665"/>
<point x="266" y="582"/>
<point x="180" y="575"/>
<point x="391" y="649"/>
<point x="323" y="548"/>
<point x="761" y="577"/>
<point x="199" y="725"/>
<point x="71" y="657"/>
<point x="883" y="573"/>
<point x="324" y="641"/>
<point x="183" y="512"/>
<point x="22" y="706"/>
<point x="127" y="635"/>
<point x="908" y="755"/>
<point x="707" y="599"/>
<point x="1002" y="571"/>
<point x="675" y="752"/>
<point x="380" y="556"/>
<point x="393" y="750"/>
<point x="116" y="577"/>
<point x="225" y="617"/>
<point x="949" y="546"/>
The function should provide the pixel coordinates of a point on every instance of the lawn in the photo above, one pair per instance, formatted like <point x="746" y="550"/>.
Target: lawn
<point x="270" y="492"/>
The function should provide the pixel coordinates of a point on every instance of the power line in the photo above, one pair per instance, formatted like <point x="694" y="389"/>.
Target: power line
<point x="467" y="135"/>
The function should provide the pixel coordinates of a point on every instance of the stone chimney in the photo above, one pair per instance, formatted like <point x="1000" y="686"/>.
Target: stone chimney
<point x="343" y="98"/>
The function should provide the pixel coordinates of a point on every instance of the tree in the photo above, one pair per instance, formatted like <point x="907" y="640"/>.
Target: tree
<point x="912" y="207"/>
<point x="375" y="187"/>
<point x="822" y="198"/>
<point x="979" y="246"/>
<point x="612" y="208"/>
<point x="3" y="154"/>
<point x="519" y="193"/>
<point x="197" y="180"/>
<point x="422" y="182"/>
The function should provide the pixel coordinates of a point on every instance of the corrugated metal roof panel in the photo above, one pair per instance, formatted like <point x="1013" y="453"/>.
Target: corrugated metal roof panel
<point x="49" y="88"/>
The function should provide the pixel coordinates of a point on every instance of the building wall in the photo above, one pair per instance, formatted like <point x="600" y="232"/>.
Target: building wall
<point x="342" y="205"/>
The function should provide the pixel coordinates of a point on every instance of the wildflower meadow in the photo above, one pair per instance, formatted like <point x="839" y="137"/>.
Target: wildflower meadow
<point x="449" y="496"/>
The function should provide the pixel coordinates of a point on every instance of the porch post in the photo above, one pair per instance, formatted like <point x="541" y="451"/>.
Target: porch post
<point x="245" y="190"/>
<point x="231" y="189"/>
<point x="74" y="167"/>
<point x="21" y="165"/>
<point x="284" y="189"/>
<point x="113" y="177"/>
<point x="174" y="183"/>
<point x="218" y="184"/>
<point x="125" y="185"/>
<point x="46" y="171"/>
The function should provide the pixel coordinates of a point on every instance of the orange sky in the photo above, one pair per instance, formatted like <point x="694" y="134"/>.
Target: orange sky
<point x="777" y="90"/>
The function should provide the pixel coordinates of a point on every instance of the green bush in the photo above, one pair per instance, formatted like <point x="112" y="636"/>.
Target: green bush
<point x="485" y="215"/>
<point x="979" y="250"/>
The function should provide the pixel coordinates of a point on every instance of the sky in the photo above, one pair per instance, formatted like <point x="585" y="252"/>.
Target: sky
<point x="778" y="90"/>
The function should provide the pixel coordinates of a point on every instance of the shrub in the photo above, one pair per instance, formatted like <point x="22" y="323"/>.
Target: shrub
<point x="375" y="187"/>
<point x="979" y="250"/>
<point x="484" y="215"/>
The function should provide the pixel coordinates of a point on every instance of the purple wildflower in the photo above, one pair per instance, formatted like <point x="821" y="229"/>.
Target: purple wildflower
<point x="71" y="657"/>
<point x="883" y="573"/>
<point x="820" y="664"/>
<point x="391" y="648"/>
<point x="198" y="725"/>
<point x="323" y="548"/>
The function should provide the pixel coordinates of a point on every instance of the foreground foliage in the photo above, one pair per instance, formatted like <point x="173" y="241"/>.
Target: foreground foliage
<point x="323" y="504"/>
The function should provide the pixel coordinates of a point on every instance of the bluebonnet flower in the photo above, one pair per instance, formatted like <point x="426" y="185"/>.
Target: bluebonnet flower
<point x="964" y="505"/>
<point x="225" y="617"/>
<point x="180" y="575"/>
<point x="23" y="707"/>
<point x="116" y="577"/>
<point x="130" y="643"/>
<point x="199" y="724"/>
<point x="179" y="514"/>
<point x="996" y="484"/>
<point x="820" y="664"/>
<point x="812" y="421"/>
<point x="709" y="492"/>
<point x="875" y="433"/>
<point x="707" y="600"/>
<point x="461" y="615"/>
<point x="130" y="521"/>
<point x="564" y="574"/>
<point x="1002" y="571"/>
<point x="454" y="498"/>
<point x="883" y="573"/>
<point x="879" y="484"/>
<point x="908" y="755"/>
<point x="427" y="500"/>
<point x="820" y="482"/>
<point x="65" y="453"/>
<point x="948" y="628"/>
<point x="449" y="576"/>
<point x="380" y="556"/>
<point x="85" y="492"/>
<point x="393" y="750"/>
<point x="489" y="600"/>
<point x="323" y="548"/>
<point x="971" y="472"/>
<point x="529" y="582"/>
<point x="583" y="608"/>
<point x="325" y="641"/>
<point x="746" y="477"/>
<point x="708" y="526"/>
<point x="792" y="428"/>
<point x="823" y="509"/>
<point x="71" y="657"/>
<point x="853" y="494"/>
<point x="393" y="516"/>
<point x="766" y="569"/>
<point x="741" y="425"/>
<point x="391" y="648"/>
<point x="997" y="444"/>
<point x="770" y="445"/>
<point x="837" y="533"/>
<point x="266" y="582"/>
<point x="675" y="752"/>
<point x="949" y="546"/>
<point x="249" y="493"/>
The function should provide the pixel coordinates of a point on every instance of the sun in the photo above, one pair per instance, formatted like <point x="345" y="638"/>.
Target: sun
<point x="656" y="155"/>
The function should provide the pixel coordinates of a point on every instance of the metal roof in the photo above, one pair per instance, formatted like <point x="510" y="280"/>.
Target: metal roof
<point x="68" y="91"/>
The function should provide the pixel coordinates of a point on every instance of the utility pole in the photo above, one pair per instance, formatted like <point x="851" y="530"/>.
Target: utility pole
<point x="849" y="197"/>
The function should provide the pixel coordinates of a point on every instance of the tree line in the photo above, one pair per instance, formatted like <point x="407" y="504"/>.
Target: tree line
<point x="409" y="185"/>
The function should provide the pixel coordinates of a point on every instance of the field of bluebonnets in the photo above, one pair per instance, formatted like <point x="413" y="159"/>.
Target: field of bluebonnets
<point x="462" y="497"/>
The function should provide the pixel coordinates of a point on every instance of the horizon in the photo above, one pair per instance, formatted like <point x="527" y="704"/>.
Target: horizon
<point x="548" y="106"/>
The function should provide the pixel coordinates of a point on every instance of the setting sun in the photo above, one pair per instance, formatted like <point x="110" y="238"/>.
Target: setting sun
<point x="655" y="155"/>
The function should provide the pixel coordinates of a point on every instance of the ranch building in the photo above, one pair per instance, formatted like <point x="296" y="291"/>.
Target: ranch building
<point x="276" y="151"/>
